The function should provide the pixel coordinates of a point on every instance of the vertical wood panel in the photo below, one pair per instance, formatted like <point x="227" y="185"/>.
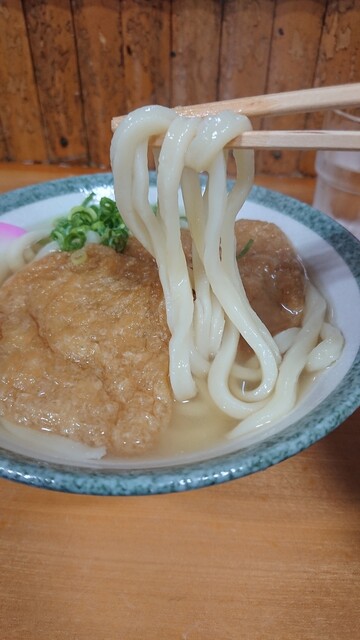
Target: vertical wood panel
<point x="146" y="34"/>
<point x="245" y="47"/>
<point x="196" y="29"/>
<point x="338" y="61"/>
<point x="101" y="67"/>
<point x="295" y="42"/>
<point x="4" y="154"/>
<point x="68" y="66"/>
<point x="23" y="138"/>
<point x="53" y="50"/>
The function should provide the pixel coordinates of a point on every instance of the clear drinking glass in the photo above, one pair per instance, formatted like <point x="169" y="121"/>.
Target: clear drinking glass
<point x="337" y="191"/>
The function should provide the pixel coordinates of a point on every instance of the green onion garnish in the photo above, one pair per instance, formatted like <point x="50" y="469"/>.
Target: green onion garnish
<point x="104" y="219"/>
<point x="245" y="249"/>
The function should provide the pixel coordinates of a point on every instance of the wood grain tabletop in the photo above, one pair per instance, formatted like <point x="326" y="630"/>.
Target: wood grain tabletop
<point x="275" y="555"/>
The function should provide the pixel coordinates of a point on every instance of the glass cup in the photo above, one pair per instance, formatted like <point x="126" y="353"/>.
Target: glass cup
<point x="337" y="191"/>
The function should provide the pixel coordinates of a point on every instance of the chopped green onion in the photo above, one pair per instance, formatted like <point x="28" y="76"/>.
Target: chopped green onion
<point x="79" y="257"/>
<point x="245" y="249"/>
<point x="70" y="232"/>
<point x="88" y="199"/>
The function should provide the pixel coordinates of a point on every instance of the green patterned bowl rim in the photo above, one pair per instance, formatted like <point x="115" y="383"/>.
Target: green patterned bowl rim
<point x="182" y="477"/>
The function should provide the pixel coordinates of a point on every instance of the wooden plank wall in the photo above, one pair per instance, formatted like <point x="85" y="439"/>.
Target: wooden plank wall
<point x="67" y="66"/>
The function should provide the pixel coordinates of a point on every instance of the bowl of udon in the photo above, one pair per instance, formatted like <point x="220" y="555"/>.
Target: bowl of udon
<point x="170" y="330"/>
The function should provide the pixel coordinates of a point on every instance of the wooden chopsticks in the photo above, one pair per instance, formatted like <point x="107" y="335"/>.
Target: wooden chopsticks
<point x="306" y="100"/>
<point x="276" y="104"/>
<point x="342" y="140"/>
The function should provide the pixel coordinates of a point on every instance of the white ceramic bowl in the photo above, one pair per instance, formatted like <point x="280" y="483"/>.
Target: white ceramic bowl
<point x="331" y="255"/>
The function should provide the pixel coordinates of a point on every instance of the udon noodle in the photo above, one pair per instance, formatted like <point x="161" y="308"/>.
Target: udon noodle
<point x="208" y="312"/>
<point x="207" y="308"/>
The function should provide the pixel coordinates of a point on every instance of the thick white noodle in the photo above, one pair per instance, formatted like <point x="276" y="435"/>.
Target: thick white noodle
<point x="50" y="247"/>
<point x="285" y="339"/>
<point x="327" y="351"/>
<point x="219" y="376"/>
<point x="160" y="234"/>
<point x="191" y="146"/>
<point x="205" y="333"/>
<point x="16" y="254"/>
<point x="291" y="366"/>
<point x="215" y="229"/>
<point x="207" y="307"/>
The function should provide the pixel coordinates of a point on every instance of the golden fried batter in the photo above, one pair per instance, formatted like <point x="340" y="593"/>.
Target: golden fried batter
<point x="84" y="349"/>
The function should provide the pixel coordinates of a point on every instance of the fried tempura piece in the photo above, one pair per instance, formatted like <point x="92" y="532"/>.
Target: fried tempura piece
<point x="84" y="338"/>
<point x="84" y="349"/>
<point x="272" y="274"/>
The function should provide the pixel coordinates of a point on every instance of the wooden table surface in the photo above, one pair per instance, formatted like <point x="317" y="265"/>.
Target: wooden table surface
<point x="271" y="556"/>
